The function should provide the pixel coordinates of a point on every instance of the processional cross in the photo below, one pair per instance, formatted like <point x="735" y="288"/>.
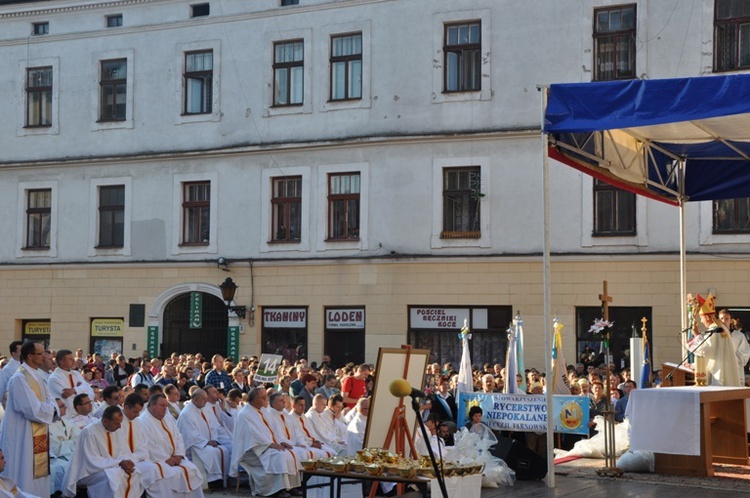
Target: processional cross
<point x="605" y="299"/>
<point x="610" y="464"/>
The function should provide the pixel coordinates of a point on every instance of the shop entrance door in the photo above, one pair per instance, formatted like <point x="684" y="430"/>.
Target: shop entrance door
<point x="345" y="346"/>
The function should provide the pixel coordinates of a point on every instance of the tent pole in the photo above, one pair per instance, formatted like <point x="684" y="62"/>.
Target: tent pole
<point x="547" y="327"/>
<point x="683" y="251"/>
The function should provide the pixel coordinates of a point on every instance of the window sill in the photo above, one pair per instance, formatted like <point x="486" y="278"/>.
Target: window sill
<point x="459" y="92"/>
<point x="344" y="101"/>
<point x="109" y="247"/>
<point x="281" y="242"/>
<point x="194" y="244"/>
<point x="105" y="121"/>
<point x="191" y="114"/>
<point x="287" y="106"/>
<point x="455" y="234"/>
<point x="349" y="239"/>
<point x="731" y="232"/>
<point x="38" y="127"/>
<point x="35" y="248"/>
<point x="614" y="234"/>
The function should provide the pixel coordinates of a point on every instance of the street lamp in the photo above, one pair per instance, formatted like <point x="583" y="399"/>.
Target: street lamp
<point x="228" y="288"/>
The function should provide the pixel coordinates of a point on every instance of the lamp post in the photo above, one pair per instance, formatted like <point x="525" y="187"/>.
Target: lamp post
<point x="228" y="289"/>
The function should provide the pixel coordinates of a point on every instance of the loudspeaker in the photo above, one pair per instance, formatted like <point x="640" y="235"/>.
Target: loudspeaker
<point x="527" y="464"/>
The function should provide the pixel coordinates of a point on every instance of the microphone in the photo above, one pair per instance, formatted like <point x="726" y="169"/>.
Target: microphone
<point x="401" y="388"/>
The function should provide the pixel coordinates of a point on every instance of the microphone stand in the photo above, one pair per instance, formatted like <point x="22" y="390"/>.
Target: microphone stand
<point x="709" y="333"/>
<point x="438" y="473"/>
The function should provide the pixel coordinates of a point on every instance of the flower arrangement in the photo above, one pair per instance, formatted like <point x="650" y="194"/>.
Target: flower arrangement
<point x="600" y="325"/>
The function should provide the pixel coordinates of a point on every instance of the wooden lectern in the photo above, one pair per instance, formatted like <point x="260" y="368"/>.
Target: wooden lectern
<point x="683" y="376"/>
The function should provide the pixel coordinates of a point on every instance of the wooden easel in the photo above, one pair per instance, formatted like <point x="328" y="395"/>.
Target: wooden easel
<point x="399" y="429"/>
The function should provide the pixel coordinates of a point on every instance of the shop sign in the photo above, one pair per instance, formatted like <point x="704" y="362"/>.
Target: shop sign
<point x="438" y="318"/>
<point x="286" y="318"/>
<point x="37" y="328"/>
<point x="350" y="318"/>
<point x="107" y="327"/>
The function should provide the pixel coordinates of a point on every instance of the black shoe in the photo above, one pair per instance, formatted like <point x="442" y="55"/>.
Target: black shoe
<point x="295" y="492"/>
<point x="217" y="484"/>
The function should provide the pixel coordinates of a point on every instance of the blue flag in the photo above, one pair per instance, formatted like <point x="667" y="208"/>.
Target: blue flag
<point x="646" y="370"/>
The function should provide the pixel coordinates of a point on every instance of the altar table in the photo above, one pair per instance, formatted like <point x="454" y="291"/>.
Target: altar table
<point x="690" y="428"/>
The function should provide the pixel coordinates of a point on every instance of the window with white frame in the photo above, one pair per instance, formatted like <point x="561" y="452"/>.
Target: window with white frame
<point x="196" y="213"/>
<point x="113" y="90"/>
<point x="198" y="76"/>
<point x="462" y="193"/>
<point x="343" y="206"/>
<point x="463" y="57"/>
<point x="111" y="216"/>
<point x="288" y="73"/>
<point x="614" y="210"/>
<point x="731" y="216"/>
<point x="346" y="66"/>
<point x="731" y="35"/>
<point x="38" y="218"/>
<point x="614" y="43"/>
<point x="114" y="21"/>
<point x="39" y="97"/>
<point x="286" y="204"/>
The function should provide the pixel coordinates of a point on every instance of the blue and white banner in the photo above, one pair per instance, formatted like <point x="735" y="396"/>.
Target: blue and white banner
<point x="526" y="413"/>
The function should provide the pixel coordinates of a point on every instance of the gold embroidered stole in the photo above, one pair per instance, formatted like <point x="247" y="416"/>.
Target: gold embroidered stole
<point x="39" y="432"/>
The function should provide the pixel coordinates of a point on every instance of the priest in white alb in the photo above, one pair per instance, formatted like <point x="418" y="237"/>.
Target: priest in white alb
<point x="166" y="446"/>
<point x="326" y="422"/>
<point x="200" y="437"/>
<point x="217" y="416"/>
<point x="303" y="431"/>
<point x="285" y="432"/>
<point x="103" y="462"/>
<point x="159" y="480"/>
<point x="8" y="488"/>
<point x="273" y="466"/>
<point x="28" y="412"/>
<point x="355" y="431"/>
<point x="65" y="383"/>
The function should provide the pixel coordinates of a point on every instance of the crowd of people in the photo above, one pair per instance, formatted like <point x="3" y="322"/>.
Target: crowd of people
<point x="172" y="426"/>
<point x="122" y="427"/>
<point x="200" y="420"/>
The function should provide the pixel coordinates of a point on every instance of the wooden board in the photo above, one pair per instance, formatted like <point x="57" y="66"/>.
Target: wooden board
<point x="390" y="366"/>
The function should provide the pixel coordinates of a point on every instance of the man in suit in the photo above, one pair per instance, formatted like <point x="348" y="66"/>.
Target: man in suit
<point x="443" y="402"/>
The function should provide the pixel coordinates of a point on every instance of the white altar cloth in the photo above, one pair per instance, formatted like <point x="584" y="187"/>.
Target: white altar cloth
<point x="667" y="420"/>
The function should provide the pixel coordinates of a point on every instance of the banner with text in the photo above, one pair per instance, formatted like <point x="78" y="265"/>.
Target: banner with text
<point x="526" y="413"/>
<point x="196" y="310"/>
<point x="268" y="369"/>
<point x="152" y="341"/>
<point x="233" y="343"/>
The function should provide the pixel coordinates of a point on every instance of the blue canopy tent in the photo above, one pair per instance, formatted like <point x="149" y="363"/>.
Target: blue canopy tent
<point x="673" y="140"/>
<point x="638" y="133"/>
